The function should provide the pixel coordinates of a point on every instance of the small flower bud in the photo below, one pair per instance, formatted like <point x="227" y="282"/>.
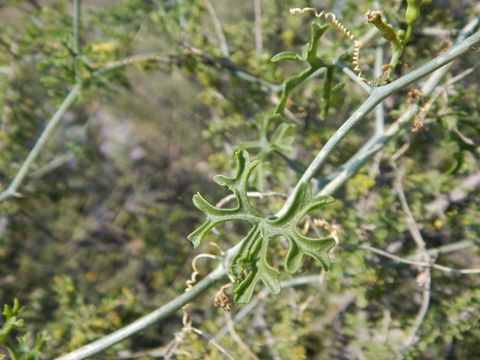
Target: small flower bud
<point x="375" y="18"/>
<point x="413" y="11"/>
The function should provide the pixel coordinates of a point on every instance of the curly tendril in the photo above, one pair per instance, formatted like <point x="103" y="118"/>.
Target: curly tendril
<point x="343" y="29"/>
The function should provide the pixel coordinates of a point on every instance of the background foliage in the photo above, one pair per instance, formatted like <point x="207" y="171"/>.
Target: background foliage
<point x="98" y="237"/>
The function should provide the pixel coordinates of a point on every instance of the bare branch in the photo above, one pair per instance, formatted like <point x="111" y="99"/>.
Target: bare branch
<point x="44" y="137"/>
<point x="412" y="225"/>
<point x="424" y="278"/>
<point x="436" y="32"/>
<point x="218" y="29"/>
<point x="212" y="341"/>
<point x="379" y="110"/>
<point x="77" y="25"/>
<point x="416" y="263"/>
<point x="425" y="282"/>
<point x="265" y="329"/>
<point x="237" y="338"/>
<point x="257" y="5"/>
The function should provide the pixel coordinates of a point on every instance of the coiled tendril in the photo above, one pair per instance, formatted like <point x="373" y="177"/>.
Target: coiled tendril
<point x="343" y="29"/>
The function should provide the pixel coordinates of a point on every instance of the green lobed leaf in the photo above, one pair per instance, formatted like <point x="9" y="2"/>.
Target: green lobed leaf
<point x="250" y="264"/>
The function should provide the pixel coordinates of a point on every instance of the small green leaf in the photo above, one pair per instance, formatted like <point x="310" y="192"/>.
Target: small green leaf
<point x="311" y="54"/>
<point x="285" y="56"/>
<point x="281" y="140"/>
<point x="244" y="290"/>
<point x="336" y="96"/>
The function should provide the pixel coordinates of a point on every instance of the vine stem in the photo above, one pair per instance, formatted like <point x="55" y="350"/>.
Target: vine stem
<point x="353" y="76"/>
<point x="147" y="320"/>
<point x="378" y="94"/>
<point x="379" y="110"/>
<point x="337" y="179"/>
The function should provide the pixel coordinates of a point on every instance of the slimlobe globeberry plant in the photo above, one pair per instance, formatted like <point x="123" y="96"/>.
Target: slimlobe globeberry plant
<point x="269" y="123"/>
<point x="250" y="264"/>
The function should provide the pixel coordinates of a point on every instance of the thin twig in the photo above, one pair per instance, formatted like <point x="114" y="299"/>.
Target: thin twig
<point x="237" y="338"/>
<point x="441" y="90"/>
<point x="172" y="59"/>
<point x="379" y="110"/>
<point x="257" y="7"/>
<point x="413" y="262"/>
<point x="234" y="69"/>
<point x="411" y="223"/>
<point x="54" y="164"/>
<point x="353" y="76"/>
<point x="218" y="29"/>
<point x="77" y="25"/>
<point x="419" y="118"/>
<point x="460" y="76"/>
<point x="212" y="342"/>
<point x="412" y="339"/>
<point x="46" y="134"/>
<point x="134" y="59"/>
<point x="448" y="248"/>
<point x="400" y="152"/>
<point x="424" y="278"/>
<point x="436" y="32"/>
<point x="264" y="327"/>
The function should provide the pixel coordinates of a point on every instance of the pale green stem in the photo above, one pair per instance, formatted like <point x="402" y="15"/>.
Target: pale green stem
<point x="378" y="95"/>
<point x="46" y="134"/>
<point x="408" y="35"/>
<point x="397" y="52"/>
<point x="290" y="84"/>
<point x="337" y="179"/>
<point x="379" y="110"/>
